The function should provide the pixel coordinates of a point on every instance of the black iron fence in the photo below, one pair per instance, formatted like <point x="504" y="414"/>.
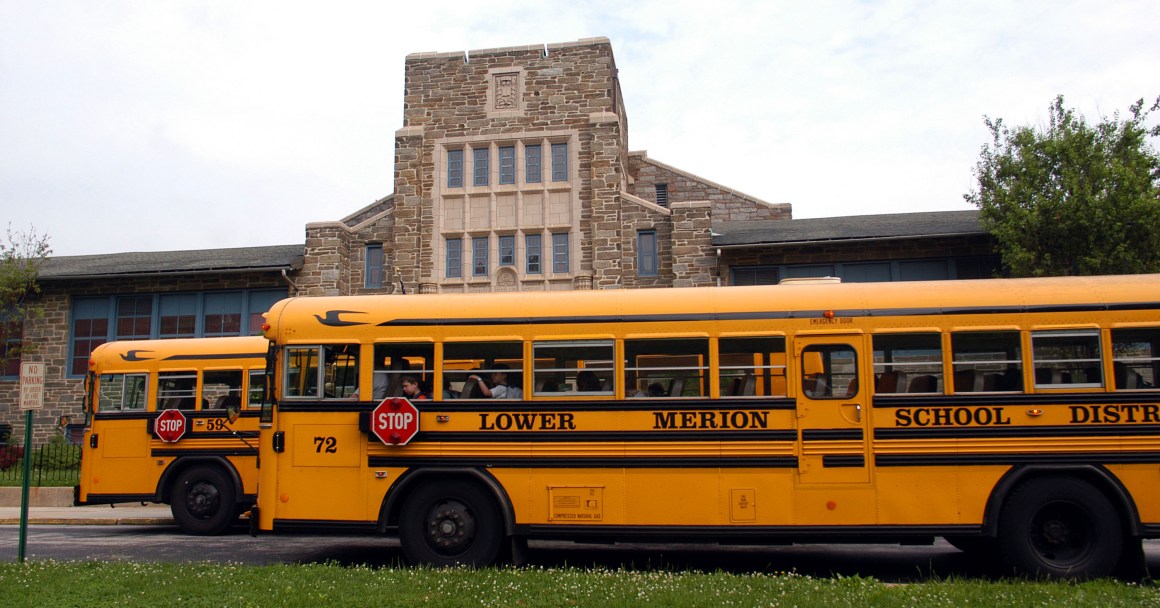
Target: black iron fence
<point x="52" y="464"/>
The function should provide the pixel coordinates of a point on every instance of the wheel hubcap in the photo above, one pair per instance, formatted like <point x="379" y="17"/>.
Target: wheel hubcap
<point x="450" y="527"/>
<point x="202" y="500"/>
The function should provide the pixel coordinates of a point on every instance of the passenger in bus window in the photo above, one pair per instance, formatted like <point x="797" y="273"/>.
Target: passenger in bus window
<point x="499" y="388"/>
<point x="587" y="381"/>
<point x="656" y="389"/>
<point x="413" y="390"/>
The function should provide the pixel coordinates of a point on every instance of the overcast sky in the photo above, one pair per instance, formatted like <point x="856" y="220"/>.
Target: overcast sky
<point x="165" y="125"/>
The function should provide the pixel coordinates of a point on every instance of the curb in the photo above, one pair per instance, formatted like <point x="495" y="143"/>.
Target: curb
<point x="67" y="521"/>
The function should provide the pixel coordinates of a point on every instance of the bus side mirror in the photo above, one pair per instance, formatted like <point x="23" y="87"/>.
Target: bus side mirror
<point x="232" y="413"/>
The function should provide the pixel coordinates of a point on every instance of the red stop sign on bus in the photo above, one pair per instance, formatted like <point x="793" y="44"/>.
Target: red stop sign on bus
<point x="395" y="421"/>
<point x="170" y="425"/>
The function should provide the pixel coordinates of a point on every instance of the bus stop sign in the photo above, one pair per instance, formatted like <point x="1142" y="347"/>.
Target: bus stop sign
<point x="170" y="425"/>
<point x="395" y="421"/>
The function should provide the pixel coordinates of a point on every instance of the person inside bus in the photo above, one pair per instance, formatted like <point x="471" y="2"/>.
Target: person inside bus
<point x="586" y="381"/>
<point x="412" y="389"/>
<point x="499" y="388"/>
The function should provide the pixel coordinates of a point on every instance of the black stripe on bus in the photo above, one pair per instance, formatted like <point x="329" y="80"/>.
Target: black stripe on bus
<point x="831" y="434"/>
<point x="1043" y="399"/>
<point x="959" y="459"/>
<point x="565" y="462"/>
<point x="843" y="461"/>
<point x="191" y="434"/>
<point x="207" y="356"/>
<point x="166" y="452"/>
<point x="776" y="315"/>
<point x="191" y="414"/>
<point x="605" y="436"/>
<point x="1018" y="432"/>
<point x="485" y="406"/>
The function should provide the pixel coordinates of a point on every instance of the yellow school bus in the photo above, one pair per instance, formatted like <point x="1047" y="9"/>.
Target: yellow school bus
<point x="1016" y="418"/>
<point x="175" y="421"/>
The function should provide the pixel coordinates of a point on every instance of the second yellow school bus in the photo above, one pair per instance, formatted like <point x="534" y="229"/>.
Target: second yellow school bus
<point x="208" y="475"/>
<point x="1018" y="418"/>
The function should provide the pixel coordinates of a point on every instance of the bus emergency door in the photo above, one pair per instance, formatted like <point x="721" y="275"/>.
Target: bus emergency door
<point x="832" y="409"/>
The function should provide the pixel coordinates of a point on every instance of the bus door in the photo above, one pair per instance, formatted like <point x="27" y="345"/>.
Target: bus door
<point x="832" y="407"/>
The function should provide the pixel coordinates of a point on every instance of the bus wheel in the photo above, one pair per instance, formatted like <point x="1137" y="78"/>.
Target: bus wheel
<point x="1060" y="527"/>
<point x="202" y="501"/>
<point x="446" y="524"/>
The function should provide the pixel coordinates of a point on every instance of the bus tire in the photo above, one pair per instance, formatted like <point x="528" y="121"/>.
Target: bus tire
<point x="202" y="501"/>
<point x="1060" y="527"/>
<point x="450" y="524"/>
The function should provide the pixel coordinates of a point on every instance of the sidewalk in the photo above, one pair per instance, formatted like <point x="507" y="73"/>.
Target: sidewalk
<point x="95" y="515"/>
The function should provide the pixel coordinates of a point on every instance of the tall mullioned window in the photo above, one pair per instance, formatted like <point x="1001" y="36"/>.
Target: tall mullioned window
<point x="532" y="164"/>
<point x="507" y="165"/>
<point x="455" y="168"/>
<point x="646" y="253"/>
<point x="559" y="162"/>
<point x="479" y="256"/>
<point x="532" y="246"/>
<point x="373" y="277"/>
<point x="507" y="250"/>
<point x="454" y="258"/>
<point x="479" y="167"/>
<point x="560" y="252"/>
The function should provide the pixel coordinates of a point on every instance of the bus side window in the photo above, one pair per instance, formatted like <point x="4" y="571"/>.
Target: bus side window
<point x="911" y="363"/>
<point x="1135" y="358"/>
<point x="829" y="371"/>
<point x="576" y="367"/>
<point x="222" y="388"/>
<point x="393" y="361"/>
<point x="177" y="391"/>
<point x="993" y="356"/>
<point x="120" y="392"/>
<point x="751" y="367"/>
<point x="256" y="388"/>
<point x="337" y="378"/>
<point x="464" y="360"/>
<point x="1067" y="358"/>
<point x="670" y="367"/>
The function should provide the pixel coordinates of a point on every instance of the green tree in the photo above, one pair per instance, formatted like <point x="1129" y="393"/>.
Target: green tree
<point x="1075" y="199"/>
<point x="21" y="255"/>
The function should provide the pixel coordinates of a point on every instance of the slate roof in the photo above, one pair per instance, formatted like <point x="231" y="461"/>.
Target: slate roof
<point x="271" y="258"/>
<point x="847" y="228"/>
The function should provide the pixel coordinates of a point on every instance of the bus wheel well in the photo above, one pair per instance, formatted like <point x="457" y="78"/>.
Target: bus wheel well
<point x="416" y="479"/>
<point x="1098" y="477"/>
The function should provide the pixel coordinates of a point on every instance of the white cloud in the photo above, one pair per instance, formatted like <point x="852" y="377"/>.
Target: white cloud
<point x="147" y="126"/>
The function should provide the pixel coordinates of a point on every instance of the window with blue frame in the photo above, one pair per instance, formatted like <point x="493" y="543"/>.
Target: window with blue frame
<point x="223" y="314"/>
<point x="373" y="276"/>
<point x="96" y="320"/>
<point x="455" y="168"/>
<point x="532" y="164"/>
<point x="479" y="167"/>
<point x="532" y="246"/>
<point x="479" y="256"/>
<point x="90" y="329"/>
<point x="507" y="165"/>
<point x="134" y="317"/>
<point x="646" y="253"/>
<point x="560" y="252"/>
<point x="507" y="251"/>
<point x="178" y="315"/>
<point x="559" y="162"/>
<point x="454" y="258"/>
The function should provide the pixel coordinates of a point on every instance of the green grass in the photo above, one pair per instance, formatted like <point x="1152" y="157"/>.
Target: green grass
<point x="48" y="583"/>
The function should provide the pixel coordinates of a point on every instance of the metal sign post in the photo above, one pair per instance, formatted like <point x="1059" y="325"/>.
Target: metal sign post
<point x="31" y="398"/>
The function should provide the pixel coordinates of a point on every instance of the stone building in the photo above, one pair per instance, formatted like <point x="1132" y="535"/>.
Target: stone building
<point x="512" y="173"/>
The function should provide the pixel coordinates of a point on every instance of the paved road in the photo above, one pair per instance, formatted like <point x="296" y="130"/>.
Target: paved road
<point x="166" y="544"/>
